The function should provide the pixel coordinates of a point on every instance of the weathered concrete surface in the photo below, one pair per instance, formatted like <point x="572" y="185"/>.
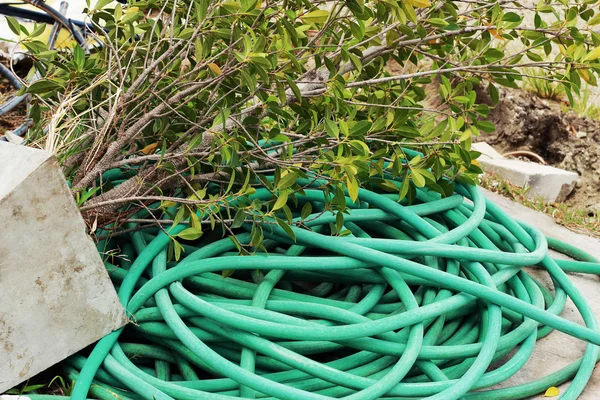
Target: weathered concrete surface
<point x="557" y="350"/>
<point x="55" y="295"/>
<point x="549" y="183"/>
<point x="487" y="151"/>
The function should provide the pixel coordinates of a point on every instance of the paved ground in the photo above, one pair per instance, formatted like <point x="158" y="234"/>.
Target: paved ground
<point x="557" y="350"/>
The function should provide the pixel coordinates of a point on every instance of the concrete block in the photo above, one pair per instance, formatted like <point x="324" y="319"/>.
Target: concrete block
<point x="549" y="183"/>
<point x="55" y="295"/>
<point x="487" y="151"/>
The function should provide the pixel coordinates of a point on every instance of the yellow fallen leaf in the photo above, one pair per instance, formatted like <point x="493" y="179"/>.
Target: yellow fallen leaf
<point x="552" y="392"/>
<point x="150" y="148"/>
<point x="215" y="68"/>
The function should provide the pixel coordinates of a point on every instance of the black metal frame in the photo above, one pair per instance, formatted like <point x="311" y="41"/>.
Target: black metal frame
<point x="47" y="15"/>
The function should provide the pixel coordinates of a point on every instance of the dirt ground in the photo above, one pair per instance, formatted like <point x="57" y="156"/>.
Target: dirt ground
<point x="16" y="117"/>
<point x="526" y="122"/>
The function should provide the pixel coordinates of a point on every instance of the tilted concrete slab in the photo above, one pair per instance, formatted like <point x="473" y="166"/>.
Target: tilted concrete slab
<point x="549" y="183"/>
<point x="487" y="151"/>
<point x="557" y="350"/>
<point x="55" y="295"/>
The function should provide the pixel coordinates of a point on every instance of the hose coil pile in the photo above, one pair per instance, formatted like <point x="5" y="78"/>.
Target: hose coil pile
<point x="415" y="302"/>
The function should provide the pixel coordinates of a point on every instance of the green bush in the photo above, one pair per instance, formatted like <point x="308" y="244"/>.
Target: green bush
<point x="198" y="100"/>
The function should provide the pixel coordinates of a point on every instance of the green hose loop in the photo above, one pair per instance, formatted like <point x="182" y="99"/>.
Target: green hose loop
<point x="417" y="301"/>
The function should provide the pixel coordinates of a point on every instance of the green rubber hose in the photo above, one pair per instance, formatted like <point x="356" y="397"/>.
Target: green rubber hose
<point x="410" y="302"/>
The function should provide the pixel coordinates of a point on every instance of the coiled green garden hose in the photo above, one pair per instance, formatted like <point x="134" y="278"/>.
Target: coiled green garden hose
<point x="415" y="302"/>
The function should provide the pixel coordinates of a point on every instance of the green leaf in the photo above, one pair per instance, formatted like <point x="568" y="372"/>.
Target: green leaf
<point x="101" y="4"/>
<point x="294" y="88"/>
<point x="352" y="187"/>
<point x="494" y="54"/>
<point x="546" y="9"/>
<point x="404" y="187"/>
<point x="186" y="33"/>
<point x="86" y="195"/>
<point x="281" y="93"/>
<point x="35" y="46"/>
<point x="465" y="156"/>
<point x="78" y="57"/>
<point x="592" y="55"/>
<point x="261" y="61"/>
<point x="14" y="25"/>
<point x="25" y="390"/>
<point x="486" y="126"/>
<point x="356" y="62"/>
<point x="35" y="112"/>
<point x="332" y="128"/>
<point x="194" y="221"/>
<point x="316" y="17"/>
<point x="410" y="12"/>
<point x="533" y="56"/>
<point x="226" y="273"/>
<point x="482" y="109"/>
<point x="178" y="249"/>
<point x="437" y="22"/>
<point x="361" y="147"/>
<point x="231" y="180"/>
<point x="493" y="91"/>
<point x="190" y="233"/>
<point x="38" y="30"/>
<point x="238" y="220"/>
<point x="256" y="235"/>
<point x="511" y="17"/>
<point x="288" y="180"/>
<point x="130" y="17"/>
<point x="469" y="179"/>
<point x="360" y="128"/>
<point x="387" y="185"/>
<point x="343" y="127"/>
<point x="595" y="20"/>
<point x="286" y="228"/>
<point x="179" y="216"/>
<point x="306" y="210"/>
<point x="462" y="99"/>
<point x="42" y="86"/>
<point x="339" y="221"/>
<point x="357" y="29"/>
<point x="281" y="201"/>
<point x="417" y="178"/>
<point x="537" y="21"/>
